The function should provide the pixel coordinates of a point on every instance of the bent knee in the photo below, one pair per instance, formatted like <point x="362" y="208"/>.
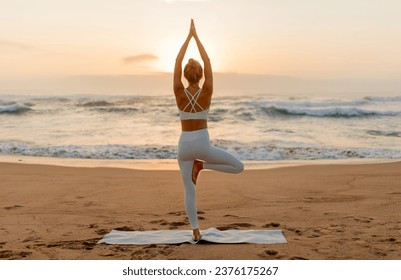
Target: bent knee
<point x="238" y="168"/>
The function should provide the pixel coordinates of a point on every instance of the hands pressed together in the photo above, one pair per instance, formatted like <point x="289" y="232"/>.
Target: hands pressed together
<point x="192" y="30"/>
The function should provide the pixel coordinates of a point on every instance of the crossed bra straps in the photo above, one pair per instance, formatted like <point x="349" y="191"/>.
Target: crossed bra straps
<point x="193" y="114"/>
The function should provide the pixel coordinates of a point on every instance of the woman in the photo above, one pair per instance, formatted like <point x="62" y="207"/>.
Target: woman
<point x="194" y="150"/>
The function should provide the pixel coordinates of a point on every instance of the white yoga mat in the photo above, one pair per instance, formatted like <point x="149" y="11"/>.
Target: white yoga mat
<point x="185" y="236"/>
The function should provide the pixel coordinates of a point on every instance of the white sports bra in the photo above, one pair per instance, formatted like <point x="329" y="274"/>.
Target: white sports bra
<point x="193" y="114"/>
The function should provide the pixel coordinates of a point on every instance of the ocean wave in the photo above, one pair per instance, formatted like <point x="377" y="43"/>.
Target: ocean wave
<point x="384" y="133"/>
<point x="220" y="111"/>
<point x="326" y="112"/>
<point x="301" y="151"/>
<point x="50" y="99"/>
<point x="244" y="113"/>
<point x="117" y="110"/>
<point x="383" y="99"/>
<point x="6" y="103"/>
<point x="15" y="108"/>
<point x="90" y="152"/>
<point x="98" y="103"/>
<point x="310" y="104"/>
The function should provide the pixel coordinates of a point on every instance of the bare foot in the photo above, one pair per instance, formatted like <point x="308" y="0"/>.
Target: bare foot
<point x="196" y="235"/>
<point x="196" y="168"/>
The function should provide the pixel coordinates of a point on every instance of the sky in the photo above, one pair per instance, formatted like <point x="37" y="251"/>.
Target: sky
<point x="108" y="45"/>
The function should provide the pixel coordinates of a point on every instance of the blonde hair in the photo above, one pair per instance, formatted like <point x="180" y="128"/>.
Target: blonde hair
<point x="193" y="71"/>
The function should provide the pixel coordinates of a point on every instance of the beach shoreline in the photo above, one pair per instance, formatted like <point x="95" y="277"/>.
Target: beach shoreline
<point x="171" y="164"/>
<point x="332" y="211"/>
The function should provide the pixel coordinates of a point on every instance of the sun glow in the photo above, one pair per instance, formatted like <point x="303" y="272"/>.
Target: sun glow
<point x="169" y="49"/>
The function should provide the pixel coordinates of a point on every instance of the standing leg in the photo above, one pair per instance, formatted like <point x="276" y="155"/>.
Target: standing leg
<point x="190" y="193"/>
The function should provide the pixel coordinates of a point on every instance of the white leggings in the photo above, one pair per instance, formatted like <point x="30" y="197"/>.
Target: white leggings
<point x="196" y="145"/>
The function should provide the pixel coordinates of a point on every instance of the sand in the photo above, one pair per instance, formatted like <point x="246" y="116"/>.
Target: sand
<point x="325" y="211"/>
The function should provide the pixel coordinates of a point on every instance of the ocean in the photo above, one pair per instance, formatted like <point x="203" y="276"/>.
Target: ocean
<point x="257" y="127"/>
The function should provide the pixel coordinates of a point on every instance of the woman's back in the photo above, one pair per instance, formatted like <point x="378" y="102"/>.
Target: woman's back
<point x="192" y="100"/>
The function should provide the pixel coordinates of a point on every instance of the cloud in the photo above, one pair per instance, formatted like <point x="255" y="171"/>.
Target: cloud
<point x="15" y="45"/>
<point x="139" y="58"/>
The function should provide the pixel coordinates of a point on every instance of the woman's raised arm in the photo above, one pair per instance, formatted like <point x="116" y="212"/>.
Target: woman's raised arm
<point x="178" y="62"/>
<point x="208" y="85"/>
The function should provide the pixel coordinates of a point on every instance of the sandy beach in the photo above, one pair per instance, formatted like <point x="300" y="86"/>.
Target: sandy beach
<point x="325" y="211"/>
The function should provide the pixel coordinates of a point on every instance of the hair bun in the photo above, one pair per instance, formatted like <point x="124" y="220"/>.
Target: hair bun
<point x="193" y="71"/>
<point x="191" y="62"/>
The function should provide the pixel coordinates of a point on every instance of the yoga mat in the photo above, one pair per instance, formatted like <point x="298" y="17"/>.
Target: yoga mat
<point x="211" y="235"/>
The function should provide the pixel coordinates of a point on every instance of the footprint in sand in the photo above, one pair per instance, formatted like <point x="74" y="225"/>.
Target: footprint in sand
<point x="177" y="213"/>
<point x="272" y="224"/>
<point x="99" y="231"/>
<point x="152" y="251"/>
<point x="243" y="224"/>
<point x="178" y="224"/>
<point x="167" y="250"/>
<point x="363" y="220"/>
<point x="380" y="254"/>
<point x="143" y="255"/>
<point x="12" y="207"/>
<point x="88" y="244"/>
<point x="14" y="255"/>
<point x="391" y="239"/>
<point x="235" y="226"/>
<point x="315" y="233"/>
<point x="119" y="248"/>
<point x="160" y="222"/>
<point x="360" y="219"/>
<point x="108" y="255"/>
<point x="102" y="231"/>
<point x="173" y="225"/>
<point x="126" y="228"/>
<point x="298" y="258"/>
<point x="297" y="231"/>
<point x="271" y="254"/>
<point x="232" y="216"/>
<point x="31" y="238"/>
